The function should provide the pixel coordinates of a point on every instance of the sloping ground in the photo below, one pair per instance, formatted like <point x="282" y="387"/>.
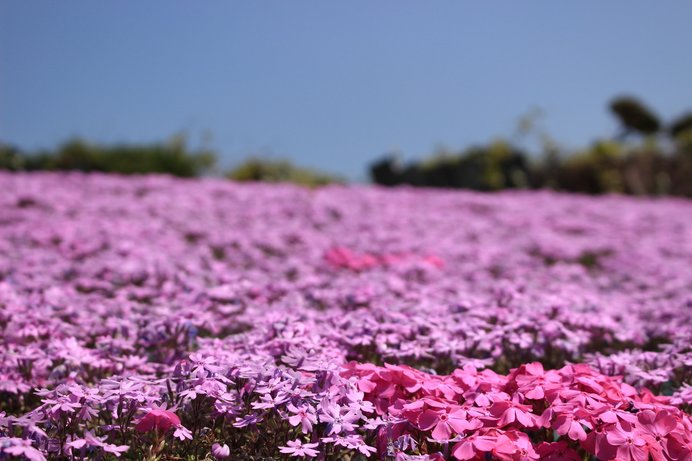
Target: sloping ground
<point x="152" y="317"/>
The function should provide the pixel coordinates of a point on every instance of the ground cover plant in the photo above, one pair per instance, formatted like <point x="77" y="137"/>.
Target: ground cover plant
<point x="168" y="319"/>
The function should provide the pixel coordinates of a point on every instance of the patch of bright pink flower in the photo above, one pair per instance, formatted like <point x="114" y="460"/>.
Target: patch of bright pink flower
<point x="345" y="258"/>
<point x="585" y="409"/>
<point x="158" y="419"/>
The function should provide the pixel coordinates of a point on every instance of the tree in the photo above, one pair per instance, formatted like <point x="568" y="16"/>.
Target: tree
<point x="681" y="125"/>
<point x="10" y="158"/>
<point x="386" y="171"/>
<point x="634" y="116"/>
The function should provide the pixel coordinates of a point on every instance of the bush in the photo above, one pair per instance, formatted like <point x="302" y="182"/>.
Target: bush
<point x="255" y="169"/>
<point x="172" y="157"/>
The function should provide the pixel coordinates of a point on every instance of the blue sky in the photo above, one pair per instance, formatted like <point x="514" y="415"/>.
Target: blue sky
<point x="333" y="85"/>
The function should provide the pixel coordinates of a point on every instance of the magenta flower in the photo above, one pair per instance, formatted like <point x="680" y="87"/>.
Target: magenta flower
<point x="659" y="425"/>
<point x="158" y="419"/>
<point x="566" y="425"/>
<point x="470" y="447"/>
<point x="510" y="412"/>
<point x="557" y="451"/>
<point x="631" y="445"/>
<point x="446" y="421"/>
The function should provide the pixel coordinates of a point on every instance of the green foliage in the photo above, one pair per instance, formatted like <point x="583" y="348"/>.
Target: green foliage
<point x="256" y="169"/>
<point x="681" y="125"/>
<point x="635" y="116"/>
<point x="10" y="158"/>
<point x="172" y="157"/>
<point x="594" y="170"/>
<point x="493" y="167"/>
<point x="607" y="166"/>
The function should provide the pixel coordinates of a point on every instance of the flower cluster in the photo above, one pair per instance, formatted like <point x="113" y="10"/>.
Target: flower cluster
<point x="158" y="318"/>
<point x="529" y="414"/>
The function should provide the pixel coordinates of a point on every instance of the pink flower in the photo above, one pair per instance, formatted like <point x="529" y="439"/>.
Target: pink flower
<point x="679" y="448"/>
<point x="510" y="412"/>
<point x="597" y="442"/>
<point x="19" y="447"/>
<point x="630" y="445"/>
<point x="558" y="451"/>
<point x="565" y="424"/>
<point x="472" y="446"/>
<point x="445" y="421"/>
<point x="344" y="257"/>
<point x="91" y="440"/>
<point x="408" y="378"/>
<point x="303" y="416"/>
<point x="444" y="389"/>
<point x="158" y="419"/>
<point x="534" y="382"/>
<point x="220" y="451"/>
<point x="338" y="422"/>
<point x="657" y="426"/>
<point x="298" y="448"/>
<point x="434" y="261"/>
<point x="522" y="447"/>
<point x="182" y="433"/>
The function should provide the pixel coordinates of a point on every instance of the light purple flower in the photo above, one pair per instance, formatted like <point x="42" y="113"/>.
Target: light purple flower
<point x="220" y="451"/>
<point x="299" y="449"/>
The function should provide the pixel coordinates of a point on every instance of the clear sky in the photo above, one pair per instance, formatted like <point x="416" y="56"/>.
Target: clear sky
<point x="333" y="85"/>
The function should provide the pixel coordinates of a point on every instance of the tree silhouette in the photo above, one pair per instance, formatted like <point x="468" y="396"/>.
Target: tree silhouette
<point x="681" y="125"/>
<point x="634" y="116"/>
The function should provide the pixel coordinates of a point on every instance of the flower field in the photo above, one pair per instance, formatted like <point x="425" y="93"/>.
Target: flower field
<point x="151" y="318"/>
